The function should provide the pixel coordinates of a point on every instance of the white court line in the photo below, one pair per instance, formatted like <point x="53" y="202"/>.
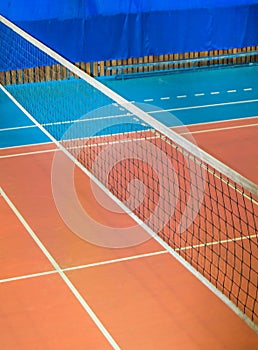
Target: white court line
<point x="200" y="94"/>
<point x="181" y="96"/>
<point x="82" y="120"/>
<point x="18" y="127"/>
<point x="165" y="98"/>
<point x="205" y="106"/>
<point x="66" y="280"/>
<point x="217" y="121"/>
<point x="107" y="143"/>
<point x="129" y="140"/>
<point x="29" y="153"/>
<point x="28" y="145"/>
<point x="79" y="267"/>
<point x="128" y="258"/>
<point x="129" y="114"/>
<point x="248" y="89"/>
<point x="230" y="240"/>
<point x="230" y="91"/>
<point x="148" y="100"/>
<point x="219" y="129"/>
<point x="215" y="92"/>
<point x="24" y="277"/>
<point x="173" y="127"/>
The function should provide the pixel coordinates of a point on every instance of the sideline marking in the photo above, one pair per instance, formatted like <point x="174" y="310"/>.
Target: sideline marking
<point x="69" y="284"/>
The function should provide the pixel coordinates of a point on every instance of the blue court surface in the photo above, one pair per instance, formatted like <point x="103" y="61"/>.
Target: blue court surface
<point x="187" y="97"/>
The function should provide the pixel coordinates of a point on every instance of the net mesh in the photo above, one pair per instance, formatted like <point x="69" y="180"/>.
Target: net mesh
<point x="204" y="211"/>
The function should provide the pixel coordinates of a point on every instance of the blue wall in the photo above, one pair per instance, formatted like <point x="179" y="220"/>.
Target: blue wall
<point x="95" y="30"/>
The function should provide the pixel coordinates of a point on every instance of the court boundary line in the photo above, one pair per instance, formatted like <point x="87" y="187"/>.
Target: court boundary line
<point x="80" y="267"/>
<point x="147" y="138"/>
<point x="218" y="121"/>
<point x="207" y="244"/>
<point x="171" y="127"/>
<point x="126" y="258"/>
<point x="167" y="248"/>
<point x="219" y="129"/>
<point x="206" y="106"/>
<point x="12" y="128"/>
<point x="29" y="153"/>
<point x="28" y="145"/>
<point x="63" y="276"/>
<point x="131" y="115"/>
<point x="87" y="172"/>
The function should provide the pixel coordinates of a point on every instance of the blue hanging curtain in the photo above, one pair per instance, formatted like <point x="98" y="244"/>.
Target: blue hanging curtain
<point x="96" y="30"/>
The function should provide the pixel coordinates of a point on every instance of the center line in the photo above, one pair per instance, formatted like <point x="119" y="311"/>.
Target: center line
<point x="201" y="94"/>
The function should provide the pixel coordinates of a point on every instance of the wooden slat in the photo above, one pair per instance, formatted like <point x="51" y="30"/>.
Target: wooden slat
<point x="42" y="74"/>
<point x="151" y="59"/>
<point x="13" y="77"/>
<point x="215" y="52"/>
<point x="161" y="59"/>
<point x="165" y="66"/>
<point x="248" y="49"/>
<point x="181" y="57"/>
<point x="87" y="68"/>
<point x="36" y="74"/>
<point x="135" y="61"/>
<point x="243" y="58"/>
<point x="187" y="65"/>
<point x="191" y="55"/>
<point x="58" y="72"/>
<point x="63" y="73"/>
<point x="7" y="78"/>
<point x="146" y="60"/>
<point x="113" y="64"/>
<point x="129" y="62"/>
<point x="176" y="57"/>
<point x="171" y="58"/>
<point x="2" y="78"/>
<point x="234" y="59"/>
<point x="253" y="57"/>
<point x="101" y="68"/>
<point x="95" y="69"/>
<point x="140" y="62"/>
<point x="47" y="73"/>
<point x="108" y="65"/>
<point x="26" y="75"/>
<point x="31" y="75"/>
<point x="119" y="63"/>
<point x="19" y="76"/>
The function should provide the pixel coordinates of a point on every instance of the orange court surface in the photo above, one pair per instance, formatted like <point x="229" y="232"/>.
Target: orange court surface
<point x="57" y="291"/>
